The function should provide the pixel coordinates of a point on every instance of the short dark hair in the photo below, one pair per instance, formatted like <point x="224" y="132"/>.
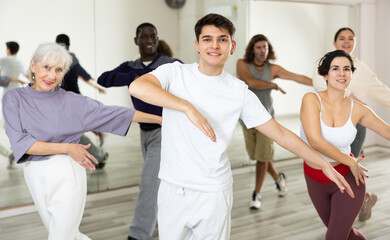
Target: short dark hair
<point x="324" y="64"/>
<point x="64" y="40"/>
<point x="216" y="20"/>
<point x="13" y="47"/>
<point x="342" y="29"/>
<point x="142" y="25"/>
<point x="250" y="53"/>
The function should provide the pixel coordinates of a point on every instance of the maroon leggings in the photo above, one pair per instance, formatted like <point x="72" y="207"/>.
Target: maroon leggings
<point x="337" y="210"/>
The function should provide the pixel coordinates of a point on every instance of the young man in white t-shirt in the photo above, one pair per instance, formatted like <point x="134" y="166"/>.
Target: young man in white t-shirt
<point x="202" y="105"/>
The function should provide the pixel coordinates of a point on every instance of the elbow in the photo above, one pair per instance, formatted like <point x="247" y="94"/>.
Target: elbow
<point x="132" y="89"/>
<point x="249" y="84"/>
<point x="315" y="144"/>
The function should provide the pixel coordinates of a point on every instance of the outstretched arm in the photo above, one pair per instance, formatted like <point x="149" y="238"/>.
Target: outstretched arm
<point x="123" y="75"/>
<point x="146" y="117"/>
<point x="88" y="79"/>
<point x="148" y="89"/>
<point x="371" y="121"/>
<point x="282" y="73"/>
<point x="294" y="144"/>
<point x="244" y="74"/>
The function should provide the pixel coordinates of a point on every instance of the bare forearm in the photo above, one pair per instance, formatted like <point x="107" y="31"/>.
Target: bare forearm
<point x="46" y="148"/>
<point x="151" y="93"/>
<point x="327" y="149"/>
<point x="288" y="140"/>
<point x="146" y="118"/>
<point x="296" y="145"/>
<point x="305" y="80"/>
<point x="260" y="84"/>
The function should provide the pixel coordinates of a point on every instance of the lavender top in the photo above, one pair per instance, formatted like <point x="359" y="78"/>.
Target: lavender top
<point x="57" y="116"/>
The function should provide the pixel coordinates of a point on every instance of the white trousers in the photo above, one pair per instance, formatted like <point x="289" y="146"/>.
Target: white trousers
<point x="58" y="187"/>
<point x="186" y="214"/>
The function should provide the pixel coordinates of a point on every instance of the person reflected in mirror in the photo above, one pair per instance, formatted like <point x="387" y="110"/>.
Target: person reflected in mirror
<point x="12" y="68"/>
<point x="164" y="48"/>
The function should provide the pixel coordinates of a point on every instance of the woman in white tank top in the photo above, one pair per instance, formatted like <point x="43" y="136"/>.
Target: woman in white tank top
<point x="329" y="121"/>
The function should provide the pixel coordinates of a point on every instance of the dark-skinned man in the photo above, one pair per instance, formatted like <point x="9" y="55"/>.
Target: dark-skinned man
<point x="145" y="214"/>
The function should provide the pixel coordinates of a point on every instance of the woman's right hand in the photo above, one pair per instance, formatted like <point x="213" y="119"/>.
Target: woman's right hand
<point x="80" y="154"/>
<point x="359" y="171"/>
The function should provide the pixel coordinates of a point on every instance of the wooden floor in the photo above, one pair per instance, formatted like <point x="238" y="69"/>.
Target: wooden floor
<point x="124" y="165"/>
<point x="108" y="215"/>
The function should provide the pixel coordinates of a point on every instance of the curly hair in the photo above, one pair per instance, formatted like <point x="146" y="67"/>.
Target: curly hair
<point x="249" y="51"/>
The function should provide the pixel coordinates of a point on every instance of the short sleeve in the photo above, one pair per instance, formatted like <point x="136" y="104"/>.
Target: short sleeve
<point x="102" y="118"/>
<point x="165" y="73"/>
<point x="253" y="113"/>
<point x="19" y="138"/>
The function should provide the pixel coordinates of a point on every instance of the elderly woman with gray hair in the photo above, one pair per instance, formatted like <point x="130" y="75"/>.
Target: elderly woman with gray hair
<point x="44" y="124"/>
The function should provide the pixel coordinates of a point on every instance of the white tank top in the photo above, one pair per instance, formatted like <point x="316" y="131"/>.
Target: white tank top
<point x="340" y="137"/>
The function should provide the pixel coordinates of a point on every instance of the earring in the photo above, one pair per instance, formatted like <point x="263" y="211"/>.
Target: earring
<point x="33" y="76"/>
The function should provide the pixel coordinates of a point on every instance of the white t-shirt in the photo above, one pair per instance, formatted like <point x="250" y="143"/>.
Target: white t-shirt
<point x="188" y="157"/>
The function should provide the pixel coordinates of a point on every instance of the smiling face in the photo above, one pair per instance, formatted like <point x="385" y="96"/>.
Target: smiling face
<point x="47" y="76"/>
<point x="214" y="46"/>
<point x="345" y="41"/>
<point x="340" y="73"/>
<point x="147" y="42"/>
<point x="260" y="50"/>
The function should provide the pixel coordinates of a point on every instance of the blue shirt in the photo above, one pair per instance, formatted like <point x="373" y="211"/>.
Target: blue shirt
<point x="126" y="73"/>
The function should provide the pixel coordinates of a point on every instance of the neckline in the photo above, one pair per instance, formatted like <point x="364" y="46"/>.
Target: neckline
<point x="35" y="93"/>
<point x="349" y="117"/>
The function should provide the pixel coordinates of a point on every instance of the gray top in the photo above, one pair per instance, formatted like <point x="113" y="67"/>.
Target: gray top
<point x="263" y="95"/>
<point x="4" y="81"/>
<point x="57" y="116"/>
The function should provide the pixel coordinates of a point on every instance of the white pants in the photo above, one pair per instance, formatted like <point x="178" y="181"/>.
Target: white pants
<point x="187" y="214"/>
<point x="58" y="187"/>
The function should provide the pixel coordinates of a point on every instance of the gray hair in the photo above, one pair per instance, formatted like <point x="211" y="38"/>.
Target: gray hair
<point x="52" y="53"/>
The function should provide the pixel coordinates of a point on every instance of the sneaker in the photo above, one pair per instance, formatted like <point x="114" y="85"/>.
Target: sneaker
<point x="255" y="202"/>
<point x="11" y="160"/>
<point x="365" y="212"/>
<point x="281" y="185"/>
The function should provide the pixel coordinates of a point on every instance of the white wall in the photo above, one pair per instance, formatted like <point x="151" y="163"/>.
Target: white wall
<point x="32" y="22"/>
<point x="101" y="32"/>
<point x="116" y="22"/>
<point x="382" y="56"/>
<point x="300" y="33"/>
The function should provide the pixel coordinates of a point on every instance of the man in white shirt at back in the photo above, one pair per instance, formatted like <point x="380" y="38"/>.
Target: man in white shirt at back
<point x="12" y="67"/>
<point x="202" y="105"/>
